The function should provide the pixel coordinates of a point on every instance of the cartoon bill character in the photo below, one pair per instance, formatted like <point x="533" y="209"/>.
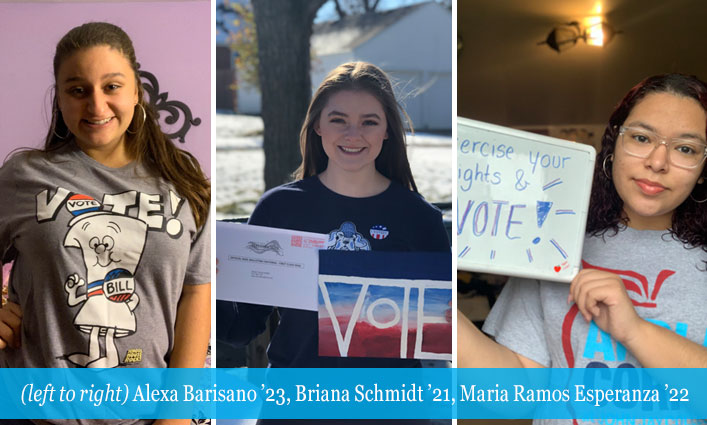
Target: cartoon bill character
<point x="112" y="246"/>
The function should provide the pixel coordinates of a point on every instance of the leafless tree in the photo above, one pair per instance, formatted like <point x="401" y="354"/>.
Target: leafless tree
<point x="284" y="28"/>
<point x="354" y="7"/>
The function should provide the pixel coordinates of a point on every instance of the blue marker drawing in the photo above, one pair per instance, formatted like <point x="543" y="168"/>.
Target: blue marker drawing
<point x="493" y="254"/>
<point x="464" y="252"/>
<point x="559" y="248"/>
<point x="543" y="209"/>
<point x="460" y="227"/>
<point x="552" y="183"/>
<point x="560" y="212"/>
<point x="530" y="255"/>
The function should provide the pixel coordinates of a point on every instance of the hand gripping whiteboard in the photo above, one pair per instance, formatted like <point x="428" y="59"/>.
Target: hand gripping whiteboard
<point x="522" y="202"/>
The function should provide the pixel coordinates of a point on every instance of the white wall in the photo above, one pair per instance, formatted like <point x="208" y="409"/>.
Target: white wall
<point x="321" y="65"/>
<point x="417" y="52"/>
<point x="421" y="40"/>
<point x="248" y="99"/>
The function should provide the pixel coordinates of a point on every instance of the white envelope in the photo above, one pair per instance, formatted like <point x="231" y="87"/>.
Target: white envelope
<point x="267" y="266"/>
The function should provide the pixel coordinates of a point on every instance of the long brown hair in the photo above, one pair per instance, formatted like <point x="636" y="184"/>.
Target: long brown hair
<point x="144" y="139"/>
<point x="392" y="162"/>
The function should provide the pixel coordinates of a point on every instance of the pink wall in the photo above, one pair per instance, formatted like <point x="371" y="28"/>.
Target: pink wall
<point x="172" y="40"/>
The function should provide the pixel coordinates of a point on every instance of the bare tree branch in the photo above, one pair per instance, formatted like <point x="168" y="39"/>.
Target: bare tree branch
<point x="339" y="10"/>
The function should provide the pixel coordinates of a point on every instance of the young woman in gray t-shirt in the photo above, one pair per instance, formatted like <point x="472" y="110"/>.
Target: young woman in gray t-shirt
<point x="644" y="256"/>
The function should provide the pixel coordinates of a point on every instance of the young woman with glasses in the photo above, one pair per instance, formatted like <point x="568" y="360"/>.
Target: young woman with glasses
<point x="639" y="300"/>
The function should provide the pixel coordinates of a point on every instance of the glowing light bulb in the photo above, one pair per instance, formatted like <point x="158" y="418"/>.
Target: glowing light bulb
<point x="594" y="31"/>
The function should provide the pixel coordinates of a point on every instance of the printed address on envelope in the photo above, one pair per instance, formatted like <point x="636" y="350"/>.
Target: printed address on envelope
<point x="267" y="266"/>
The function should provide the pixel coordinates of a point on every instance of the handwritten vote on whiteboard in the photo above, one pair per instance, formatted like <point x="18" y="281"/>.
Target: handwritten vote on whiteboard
<point x="522" y="201"/>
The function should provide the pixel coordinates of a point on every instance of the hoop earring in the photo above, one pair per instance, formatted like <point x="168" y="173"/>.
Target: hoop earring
<point x="144" y="113"/>
<point x="68" y="132"/>
<point x="55" y="113"/>
<point x="699" y="181"/>
<point x="603" y="165"/>
<point x="144" y="118"/>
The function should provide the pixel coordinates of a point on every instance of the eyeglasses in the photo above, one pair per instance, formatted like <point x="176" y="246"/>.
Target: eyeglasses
<point x="683" y="153"/>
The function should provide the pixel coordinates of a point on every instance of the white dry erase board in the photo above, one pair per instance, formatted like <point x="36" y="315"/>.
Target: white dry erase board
<point x="522" y="202"/>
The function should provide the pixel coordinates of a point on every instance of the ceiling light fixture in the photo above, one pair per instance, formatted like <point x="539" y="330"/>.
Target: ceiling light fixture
<point x="565" y="36"/>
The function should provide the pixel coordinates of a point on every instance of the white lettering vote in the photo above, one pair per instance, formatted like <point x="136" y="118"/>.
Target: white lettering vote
<point x="401" y="312"/>
<point x="372" y="318"/>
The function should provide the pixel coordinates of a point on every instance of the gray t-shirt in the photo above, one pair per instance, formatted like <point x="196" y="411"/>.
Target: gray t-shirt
<point x="101" y="255"/>
<point x="666" y="281"/>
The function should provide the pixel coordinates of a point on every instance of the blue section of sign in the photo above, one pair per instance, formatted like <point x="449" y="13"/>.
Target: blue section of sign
<point x="543" y="209"/>
<point x="353" y="393"/>
<point x="390" y="265"/>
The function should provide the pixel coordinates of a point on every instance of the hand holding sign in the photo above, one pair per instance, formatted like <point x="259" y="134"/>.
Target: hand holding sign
<point x="522" y="201"/>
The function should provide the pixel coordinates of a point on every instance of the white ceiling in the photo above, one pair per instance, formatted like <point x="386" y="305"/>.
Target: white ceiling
<point x="504" y="77"/>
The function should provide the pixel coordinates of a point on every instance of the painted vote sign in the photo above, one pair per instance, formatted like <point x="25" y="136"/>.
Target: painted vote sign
<point x="522" y="202"/>
<point x="385" y="304"/>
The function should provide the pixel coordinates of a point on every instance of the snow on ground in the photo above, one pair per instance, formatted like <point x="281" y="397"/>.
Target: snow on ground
<point x="240" y="160"/>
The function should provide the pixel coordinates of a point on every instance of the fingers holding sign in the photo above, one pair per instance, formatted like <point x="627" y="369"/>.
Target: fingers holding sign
<point x="10" y="325"/>
<point x="602" y="297"/>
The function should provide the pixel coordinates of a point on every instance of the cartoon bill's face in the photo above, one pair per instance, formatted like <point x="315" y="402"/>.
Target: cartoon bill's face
<point x="107" y="241"/>
<point x="103" y="249"/>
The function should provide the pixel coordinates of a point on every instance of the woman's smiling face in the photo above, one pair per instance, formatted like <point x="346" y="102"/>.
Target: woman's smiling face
<point x="652" y="188"/>
<point x="352" y="126"/>
<point x="97" y="94"/>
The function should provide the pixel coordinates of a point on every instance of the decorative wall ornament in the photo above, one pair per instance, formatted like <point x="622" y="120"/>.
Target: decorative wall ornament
<point x="178" y="111"/>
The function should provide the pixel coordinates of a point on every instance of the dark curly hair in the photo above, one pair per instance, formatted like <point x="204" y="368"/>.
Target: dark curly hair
<point x="689" y="224"/>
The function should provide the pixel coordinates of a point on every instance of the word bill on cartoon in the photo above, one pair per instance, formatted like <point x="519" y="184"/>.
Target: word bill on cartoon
<point x="522" y="201"/>
<point x="385" y="304"/>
